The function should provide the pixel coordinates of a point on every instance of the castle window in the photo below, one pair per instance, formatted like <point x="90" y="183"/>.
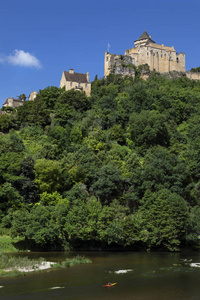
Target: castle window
<point x="70" y="83"/>
<point x="106" y="58"/>
<point x="86" y="85"/>
<point x="177" y="60"/>
<point x="79" y="85"/>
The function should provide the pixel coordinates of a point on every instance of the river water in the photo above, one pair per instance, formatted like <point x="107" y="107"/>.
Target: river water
<point x="139" y="276"/>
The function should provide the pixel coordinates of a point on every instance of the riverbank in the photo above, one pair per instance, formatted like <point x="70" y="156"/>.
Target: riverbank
<point x="37" y="267"/>
<point x="16" y="266"/>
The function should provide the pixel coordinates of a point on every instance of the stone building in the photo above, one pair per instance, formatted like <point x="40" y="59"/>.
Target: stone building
<point x="76" y="81"/>
<point x="32" y="96"/>
<point x="158" y="57"/>
<point x="11" y="102"/>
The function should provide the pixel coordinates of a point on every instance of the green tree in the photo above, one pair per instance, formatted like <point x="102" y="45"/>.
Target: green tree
<point x="193" y="226"/>
<point x="50" y="96"/>
<point x="195" y="69"/>
<point x="22" y="97"/>
<point x="47" y="175"/>
<point x="34" y="112"/>
<point x="161" y="169"/>
<point x="19" y="222"/>
<point x="164" y="216"/>
<point x="42" y="231"/>
<point x="51" y="199"/>
<point x="109" y="183"/>
<point x="111" y="224"/>
<point x="9" y="197"/>
<point x="75" y="99"/>
<point x="62" y="113"/>
<point x="148" y="129"/>
<point x="81" y="221"/>
<point x="6" y="123"/>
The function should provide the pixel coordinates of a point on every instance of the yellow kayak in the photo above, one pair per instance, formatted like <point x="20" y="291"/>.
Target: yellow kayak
<point x="109" y="284"/>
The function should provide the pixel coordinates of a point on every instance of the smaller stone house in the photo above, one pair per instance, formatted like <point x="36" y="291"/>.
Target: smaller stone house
<point x="32" y="96"/>
<point x="76" y="81"/>
<point x="11" y="102"/>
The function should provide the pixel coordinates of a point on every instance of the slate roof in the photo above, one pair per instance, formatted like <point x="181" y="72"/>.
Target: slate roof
<point x="76" y="77"/>
<point x="145" y="36"/>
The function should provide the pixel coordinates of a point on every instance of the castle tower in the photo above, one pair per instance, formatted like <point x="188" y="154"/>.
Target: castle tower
<point x="143" y="40"/>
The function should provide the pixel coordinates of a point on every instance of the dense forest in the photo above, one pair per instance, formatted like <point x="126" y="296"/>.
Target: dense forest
<point x="119" y="169"/>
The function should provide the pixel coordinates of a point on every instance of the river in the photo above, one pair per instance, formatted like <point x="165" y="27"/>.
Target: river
<point x="139" y="276"/>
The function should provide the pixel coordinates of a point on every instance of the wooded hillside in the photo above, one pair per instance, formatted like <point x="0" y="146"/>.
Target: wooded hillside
<point x="121" y="168"/>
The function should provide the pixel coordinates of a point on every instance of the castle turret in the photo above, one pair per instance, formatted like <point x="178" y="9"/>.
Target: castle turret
<point x="143" y="39"/>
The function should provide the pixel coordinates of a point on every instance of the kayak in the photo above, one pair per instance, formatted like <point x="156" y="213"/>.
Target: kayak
<point x="109" y="285"/>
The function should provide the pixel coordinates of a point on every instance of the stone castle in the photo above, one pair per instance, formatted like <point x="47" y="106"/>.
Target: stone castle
<point x="160" y="58"/>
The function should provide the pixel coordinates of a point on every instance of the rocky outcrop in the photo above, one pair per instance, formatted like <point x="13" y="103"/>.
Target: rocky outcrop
<point x="121" y="64"/>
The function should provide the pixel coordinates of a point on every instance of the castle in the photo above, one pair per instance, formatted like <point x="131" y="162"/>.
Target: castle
<point x="160" y="58"/>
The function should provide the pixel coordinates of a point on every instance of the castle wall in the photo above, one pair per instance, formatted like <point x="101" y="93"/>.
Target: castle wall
<point x="193" y="75"/>
<point x="108" y="60"/>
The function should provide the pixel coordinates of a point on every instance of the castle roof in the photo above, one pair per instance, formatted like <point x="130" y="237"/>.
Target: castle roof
<point x="76" y="77"/>
<point x="145" y="36"/>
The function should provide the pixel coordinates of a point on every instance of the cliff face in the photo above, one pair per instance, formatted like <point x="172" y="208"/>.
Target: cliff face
<point x="124" y="66"/>
<point x="119" y="64"/>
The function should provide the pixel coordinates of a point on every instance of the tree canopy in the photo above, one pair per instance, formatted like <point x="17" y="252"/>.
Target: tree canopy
<point x="117" y="169"/>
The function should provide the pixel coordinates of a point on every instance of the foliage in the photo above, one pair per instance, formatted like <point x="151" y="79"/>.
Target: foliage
<point x="148" y="129"/>
<point x="34" y="112"/>
<point x="42" y="228"/>
<point x="7" y="122"/>
<point x="195" y="69"/>
<point x="7" y="244"/>
<point x="10" y="197"/>
<point x="70" y="262"/>
<point x="108" y="184"/>
<point x="119" y="168"/>
<point x="47" y="175"/>
<point x="164" y="216"/>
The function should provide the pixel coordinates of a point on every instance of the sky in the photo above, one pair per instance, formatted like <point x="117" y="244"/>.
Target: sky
<point x="39" y="39"/>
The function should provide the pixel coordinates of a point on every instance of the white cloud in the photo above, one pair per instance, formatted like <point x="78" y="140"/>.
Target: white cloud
<point x="1" y="59"/>
<point x="21" y="58"/>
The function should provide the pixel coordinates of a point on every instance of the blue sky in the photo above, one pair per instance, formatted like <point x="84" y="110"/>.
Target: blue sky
<point x="41" y="38"/>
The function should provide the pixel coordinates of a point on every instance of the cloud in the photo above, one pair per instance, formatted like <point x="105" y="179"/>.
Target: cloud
<point x="1" y="59"/>
<point x="21" y="58"/>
